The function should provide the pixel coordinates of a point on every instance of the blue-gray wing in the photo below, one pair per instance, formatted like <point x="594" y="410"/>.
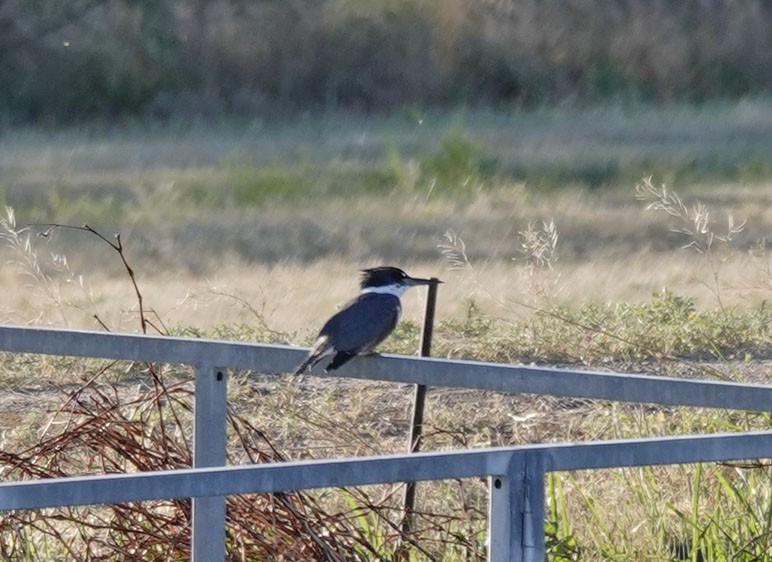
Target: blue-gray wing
<point x="363" y="323"/>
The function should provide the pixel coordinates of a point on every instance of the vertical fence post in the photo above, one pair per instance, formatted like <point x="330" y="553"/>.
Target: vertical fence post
<point x="533" y="508"/>
<point x="516" y="512"/>
<point x="419" y="401"/>
<point x="209" y="449"/>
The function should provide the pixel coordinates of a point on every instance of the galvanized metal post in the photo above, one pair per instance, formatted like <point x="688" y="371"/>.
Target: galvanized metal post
<point x="516" y="512"/>
<point x="533" y="508"/>
<point x="209" y="449"/>
<point x="419" y="401"/>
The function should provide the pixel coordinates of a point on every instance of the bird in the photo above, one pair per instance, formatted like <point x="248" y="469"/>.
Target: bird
<point x="364" y="321"/>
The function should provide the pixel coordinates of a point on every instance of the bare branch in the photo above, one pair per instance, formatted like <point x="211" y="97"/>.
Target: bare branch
<point x="116" y="245"/>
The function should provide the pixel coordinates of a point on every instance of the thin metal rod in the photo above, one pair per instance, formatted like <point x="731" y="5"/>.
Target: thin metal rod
<point x="419" y="402"/>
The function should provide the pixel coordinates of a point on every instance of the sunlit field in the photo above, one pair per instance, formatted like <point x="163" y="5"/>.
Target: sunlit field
<point x="280" y="218"/>
<point x="605" y="238"/>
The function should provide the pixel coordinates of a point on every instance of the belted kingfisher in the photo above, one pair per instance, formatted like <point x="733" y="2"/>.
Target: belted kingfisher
<point x="364" y="321"/>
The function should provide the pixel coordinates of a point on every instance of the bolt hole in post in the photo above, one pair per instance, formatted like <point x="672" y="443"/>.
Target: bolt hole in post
<point x="516" y="511"/>
<point x="419" y="400"/>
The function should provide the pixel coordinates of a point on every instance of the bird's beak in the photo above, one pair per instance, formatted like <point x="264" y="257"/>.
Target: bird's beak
<point x="417" y="281"/>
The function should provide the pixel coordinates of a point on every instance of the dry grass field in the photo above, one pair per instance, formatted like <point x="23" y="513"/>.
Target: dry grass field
<point x="271" y="214"/>
<point x="256" y="232"/>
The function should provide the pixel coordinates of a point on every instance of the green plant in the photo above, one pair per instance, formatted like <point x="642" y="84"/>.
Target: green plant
<point x="560" y="542"/>
<point x="254" y="185"/>
<point x="458" y="166"/>
<point x="730" y="516"/>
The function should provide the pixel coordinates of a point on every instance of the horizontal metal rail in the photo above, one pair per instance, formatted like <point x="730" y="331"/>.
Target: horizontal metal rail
<point x="303" y="475"/>
<point x="416" y="370"/>
<point x="516" y="507"/>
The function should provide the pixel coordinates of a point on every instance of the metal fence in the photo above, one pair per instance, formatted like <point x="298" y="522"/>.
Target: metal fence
<point x="516" y="509"/>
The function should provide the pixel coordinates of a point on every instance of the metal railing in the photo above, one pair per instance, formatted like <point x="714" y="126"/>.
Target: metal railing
<point x="516" y="510"/>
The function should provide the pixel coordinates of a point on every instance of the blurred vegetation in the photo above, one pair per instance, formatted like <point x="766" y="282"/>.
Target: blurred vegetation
<point x="105" y="59"/>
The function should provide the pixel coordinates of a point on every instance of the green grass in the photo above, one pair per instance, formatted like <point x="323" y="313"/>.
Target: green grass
<point x="602" y="147"/>
<point x="668" y="325"/>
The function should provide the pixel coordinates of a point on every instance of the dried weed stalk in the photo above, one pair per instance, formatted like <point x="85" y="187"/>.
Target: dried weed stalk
<point x="453" y="249"/>
<point x="19" y="240"/>
<point x="105" y="429"/>
<point x="117" y="246"/>
<point x="539" y="251"/>
<point x="695" y="224"/>
<point x="101" y="428"/>
<point x="538" y="245"/>
<point x="538" y="248"/>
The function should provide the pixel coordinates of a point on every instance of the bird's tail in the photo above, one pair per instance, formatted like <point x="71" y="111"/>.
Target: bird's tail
<point x="305" y="365"/>
<point x="321" y="348"/>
